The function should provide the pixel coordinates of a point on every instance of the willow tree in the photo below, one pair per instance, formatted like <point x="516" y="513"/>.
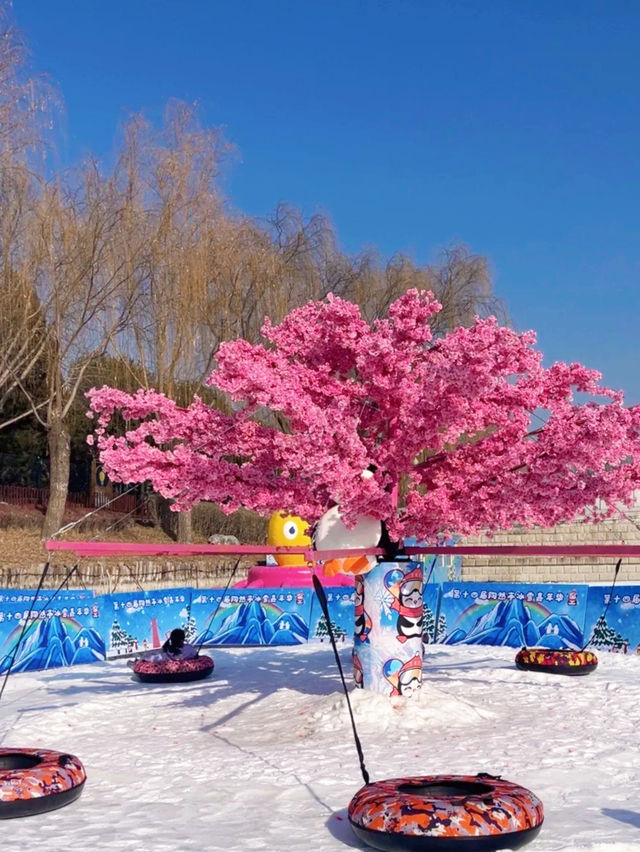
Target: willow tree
<point x="26" y="102"/>
<point x="202" y="270"/>
<point x="86" y="288"/>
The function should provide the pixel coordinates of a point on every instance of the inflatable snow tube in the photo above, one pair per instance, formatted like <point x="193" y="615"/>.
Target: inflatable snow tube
<point x="35" y="780"/>
<point x="174" y="671"/>
<point x="556" y="662"/>
<point x="435" y="813"/>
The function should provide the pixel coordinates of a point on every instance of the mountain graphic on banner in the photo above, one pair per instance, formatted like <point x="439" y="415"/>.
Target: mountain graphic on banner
<point x="51" y="644"/>
<point x="250" y="624"/>
<point x="509" y="623"/>
<point x="560" y="632"/>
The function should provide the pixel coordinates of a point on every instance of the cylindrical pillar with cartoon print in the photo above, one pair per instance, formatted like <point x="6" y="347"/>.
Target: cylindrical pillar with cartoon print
<point x="387" y="650"/>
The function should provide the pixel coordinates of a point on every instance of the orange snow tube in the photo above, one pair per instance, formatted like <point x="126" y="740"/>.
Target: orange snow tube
<point x="556" y="662"/>
<point x="34" y="780"/>
<point x="435" y="813"/>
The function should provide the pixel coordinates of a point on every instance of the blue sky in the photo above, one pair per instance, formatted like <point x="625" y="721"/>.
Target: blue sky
<point x="510" y="125"/>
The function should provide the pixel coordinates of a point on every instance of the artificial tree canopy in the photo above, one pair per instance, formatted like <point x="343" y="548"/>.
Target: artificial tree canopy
<point x="471" y="426"/>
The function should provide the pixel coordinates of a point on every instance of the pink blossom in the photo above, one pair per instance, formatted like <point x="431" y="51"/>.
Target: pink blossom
<point x="471" y="426"/>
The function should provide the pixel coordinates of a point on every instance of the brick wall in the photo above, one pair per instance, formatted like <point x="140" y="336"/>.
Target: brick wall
<point x="624" y="529"/>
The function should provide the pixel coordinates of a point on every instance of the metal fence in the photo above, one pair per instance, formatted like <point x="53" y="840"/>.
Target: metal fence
<point x="122" y="504"/>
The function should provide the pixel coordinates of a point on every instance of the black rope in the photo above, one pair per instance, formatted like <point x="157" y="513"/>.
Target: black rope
<point x="72" y="524"/>
<point x="433" y="565"/>
<point x="115" y="523"/>
<point x="615" y="577"/>
<point x="426" y="583"/>
<point x="604" y="613"/>
<point x="135" y="579"/>
<point x="24" y="627"/>
<point x="317" y="585"/>
<point x="226" y="589"/>
<point x="63" y="583"/>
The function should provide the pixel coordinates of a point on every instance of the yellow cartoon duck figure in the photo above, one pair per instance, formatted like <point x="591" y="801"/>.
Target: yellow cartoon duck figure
<point x="288" y="530"/>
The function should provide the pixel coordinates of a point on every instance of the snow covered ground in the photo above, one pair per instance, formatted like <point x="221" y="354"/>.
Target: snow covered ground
<point x="261" y="757"/>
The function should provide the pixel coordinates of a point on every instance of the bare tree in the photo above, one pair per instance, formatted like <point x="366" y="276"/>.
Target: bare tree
<point x="462" y="283"/>
<point x="22" y="332"/>
<point x="173" y="206"/>
<point x="313" y="265"/>
<point x="168" y="178"/>
<point x="86" y="288"/>
<point x="26" y="102"/>
<point x="149" y="265"/>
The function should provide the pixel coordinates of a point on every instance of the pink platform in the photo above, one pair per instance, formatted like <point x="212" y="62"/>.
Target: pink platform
<point x="279" y="576"/>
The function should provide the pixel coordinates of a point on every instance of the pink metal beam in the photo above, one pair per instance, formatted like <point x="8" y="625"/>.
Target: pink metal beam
<point x="117" y="548"/>
<point x="532" y="550"/>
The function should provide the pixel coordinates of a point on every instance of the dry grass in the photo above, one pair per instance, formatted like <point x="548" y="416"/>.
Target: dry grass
<point x="22" y="556"/>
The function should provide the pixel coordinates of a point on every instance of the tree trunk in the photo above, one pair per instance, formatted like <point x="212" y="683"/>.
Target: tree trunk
<point x="184" y="527"/>
<point x="59" y="463"/>
<point x="154" y="510"/>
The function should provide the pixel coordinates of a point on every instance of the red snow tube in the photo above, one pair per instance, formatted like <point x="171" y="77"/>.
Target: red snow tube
<point x="174" y="671"/>
<point x="34" y="780"/>
<point x="556" y="662"/>
<point x="435" y="813"/>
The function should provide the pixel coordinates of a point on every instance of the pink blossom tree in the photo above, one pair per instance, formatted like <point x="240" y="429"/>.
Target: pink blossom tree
<point x="470" y="427"/>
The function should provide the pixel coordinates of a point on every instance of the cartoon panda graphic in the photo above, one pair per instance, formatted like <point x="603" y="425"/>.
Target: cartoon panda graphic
<point x="405" y="678"/>
<point x="358" y="673"/>
<point x="362" y="620"/>
<point x="406" y="590"/>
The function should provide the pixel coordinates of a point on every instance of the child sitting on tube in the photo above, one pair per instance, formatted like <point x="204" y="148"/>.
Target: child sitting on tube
<point x="175" y="648"/>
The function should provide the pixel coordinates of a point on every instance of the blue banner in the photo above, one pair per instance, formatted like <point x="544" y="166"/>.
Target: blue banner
<point x="77" y="627"/>
<point x="340" y="602"/>
<point x="612" y="621"/>
<point x="141" y="621"/>
<point x="65" y="633"/>
<point x="433" y="621"/>
<point x="26" y="595"/>
<point x="548" y="615"/>
<point x="252" y="616"/>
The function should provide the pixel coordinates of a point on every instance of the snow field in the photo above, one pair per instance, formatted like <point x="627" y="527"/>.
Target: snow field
<point x="261" y="756"/>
